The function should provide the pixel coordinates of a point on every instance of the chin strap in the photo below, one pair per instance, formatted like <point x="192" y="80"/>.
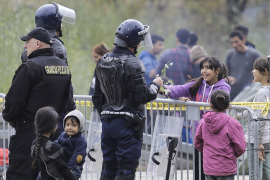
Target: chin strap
<point x="59" y="30"/>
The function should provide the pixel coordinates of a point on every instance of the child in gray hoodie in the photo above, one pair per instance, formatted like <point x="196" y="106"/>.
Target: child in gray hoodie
<point x="261" y="74"/>
<point x="73" y="141"/>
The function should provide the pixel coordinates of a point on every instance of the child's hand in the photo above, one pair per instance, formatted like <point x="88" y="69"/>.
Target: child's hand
<point x="184" y="99"/>
<point x="261" y="152"/>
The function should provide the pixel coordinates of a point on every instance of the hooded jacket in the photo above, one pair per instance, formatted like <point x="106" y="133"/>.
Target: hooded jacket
<point x="203" y="94"/>
<point x="74" y="146"/>
<point x="221" y="139"/>
<point x="264" y="125"/>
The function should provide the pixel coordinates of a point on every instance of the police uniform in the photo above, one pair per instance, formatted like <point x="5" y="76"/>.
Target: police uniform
<point x="43" y="80"/>
<point x="50" y="17"/>
<point x="120" y="95"/>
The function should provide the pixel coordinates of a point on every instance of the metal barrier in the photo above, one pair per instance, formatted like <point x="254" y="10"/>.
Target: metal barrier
<point x="186" y="159"/>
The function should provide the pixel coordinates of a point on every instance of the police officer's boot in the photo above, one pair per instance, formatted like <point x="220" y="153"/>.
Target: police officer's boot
<point x="129" y="177"/>
<point x="106" y="178"/>
<point x="127" y="166"/>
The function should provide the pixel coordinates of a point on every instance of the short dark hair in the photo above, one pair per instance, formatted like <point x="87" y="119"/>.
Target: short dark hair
<point x="241" y="28"/>
<point x="238" y="34"/>
<point x="156" y="38"/>
<point x="261" y="64"/>
<point x="182" y="35"/>
<point x="72" y="118"/>
<point x="220" y="100"/>
<point x="193" y="38"/>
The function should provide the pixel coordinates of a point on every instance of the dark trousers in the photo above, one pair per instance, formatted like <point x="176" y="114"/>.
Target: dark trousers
<point x="197" y="172"/>
<point x="119" y="145"/>
<point x="20" y="159"/>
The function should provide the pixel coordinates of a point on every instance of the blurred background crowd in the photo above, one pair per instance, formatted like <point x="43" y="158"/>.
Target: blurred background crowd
<point x="207" y="26"/>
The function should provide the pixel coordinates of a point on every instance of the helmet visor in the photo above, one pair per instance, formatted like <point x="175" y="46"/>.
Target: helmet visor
<point x="69" y="15"/>
<point x="146" y="36"/>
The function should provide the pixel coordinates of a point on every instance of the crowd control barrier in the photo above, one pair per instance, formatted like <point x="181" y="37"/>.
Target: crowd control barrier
<point x="185" y="161"/>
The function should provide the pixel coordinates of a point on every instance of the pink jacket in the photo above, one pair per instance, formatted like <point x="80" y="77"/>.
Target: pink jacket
<point x="221" y="139"/>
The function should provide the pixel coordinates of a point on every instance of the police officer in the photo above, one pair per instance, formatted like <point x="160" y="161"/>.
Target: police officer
<point x="120" y="95"/>
<point x="50" y="17"/>
<point x="42" y="80"/>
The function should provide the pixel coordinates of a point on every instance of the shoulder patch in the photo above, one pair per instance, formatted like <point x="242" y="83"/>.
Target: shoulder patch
<point x="79" y="159"/>
<point x="57" y="70"/>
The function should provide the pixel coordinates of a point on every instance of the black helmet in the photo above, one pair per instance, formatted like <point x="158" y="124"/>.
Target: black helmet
<point x="131" y="33"/>
<point x="50" y="16"/>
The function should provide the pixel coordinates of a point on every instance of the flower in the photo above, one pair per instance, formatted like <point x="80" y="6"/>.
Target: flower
<point x="166" y="66"/>
<point x="171" y="64"/>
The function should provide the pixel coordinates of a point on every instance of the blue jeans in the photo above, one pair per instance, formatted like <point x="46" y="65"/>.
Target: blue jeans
<point x="208" y="177"/>
<point x="264" y="167"/>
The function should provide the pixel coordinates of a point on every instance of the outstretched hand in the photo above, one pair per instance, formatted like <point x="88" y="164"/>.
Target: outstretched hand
<point x="159" y="81"/>
<point x="184" y="99"/>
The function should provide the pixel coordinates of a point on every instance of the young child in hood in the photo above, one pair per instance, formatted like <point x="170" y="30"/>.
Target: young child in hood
<point x="73" y="141"/>
<point x="261" y="74"/>
<point x="220" y="138"/>
<point x="213" y="73"/>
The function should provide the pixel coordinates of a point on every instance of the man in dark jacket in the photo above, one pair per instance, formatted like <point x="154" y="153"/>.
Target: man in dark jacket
<point x="43" y="80"/>
<point x="120" y="95"/>
<point x="51" y="17"/>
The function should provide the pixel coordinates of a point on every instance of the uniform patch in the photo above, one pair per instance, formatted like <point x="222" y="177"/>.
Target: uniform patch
<point x="79" y="159"/>
<point x="57" y="70"/>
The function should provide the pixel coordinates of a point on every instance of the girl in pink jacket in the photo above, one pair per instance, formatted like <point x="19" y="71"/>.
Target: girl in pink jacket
<point x="220" y="138"/>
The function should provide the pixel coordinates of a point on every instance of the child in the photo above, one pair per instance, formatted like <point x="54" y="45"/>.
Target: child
<point x="261" y="75"/>
<point x="48" y="155"/>
<point x="220" y="138"/>
<point x="213" y="73"/>
<point x="73" y="141"/>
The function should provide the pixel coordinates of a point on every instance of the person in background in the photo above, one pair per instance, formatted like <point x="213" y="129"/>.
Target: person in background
<point x="197" y="54"/>
<point x="97" y="52"/>
<point x="244" y="30"/>
<point x="239" y="61"/>
<point x="193" y="40"/>
<point x="149" y="58"/>
<point x="179" y="56"/>
<point x="219" y="159"/>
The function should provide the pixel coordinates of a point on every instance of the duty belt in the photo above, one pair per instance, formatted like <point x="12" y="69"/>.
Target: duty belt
<point x="139" y="121"/>
<point x="118" y="113"/>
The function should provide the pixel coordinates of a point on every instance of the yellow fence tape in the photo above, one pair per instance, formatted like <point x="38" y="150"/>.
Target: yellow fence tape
<point x="159" y="106"/>
<point x="254" y="105"/>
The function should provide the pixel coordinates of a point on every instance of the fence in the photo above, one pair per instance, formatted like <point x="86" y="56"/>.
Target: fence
<point x="186" y="159"/>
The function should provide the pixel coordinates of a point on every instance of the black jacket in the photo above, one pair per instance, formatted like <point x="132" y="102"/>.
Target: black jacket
<point x="43" y="80"/>
<point x="51" y="161"/>
<point x="141" y="97"/>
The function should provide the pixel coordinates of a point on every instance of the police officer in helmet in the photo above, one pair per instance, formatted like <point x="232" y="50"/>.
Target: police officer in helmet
<point x="50" y="17"/>
<point x="120" y="95"/>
